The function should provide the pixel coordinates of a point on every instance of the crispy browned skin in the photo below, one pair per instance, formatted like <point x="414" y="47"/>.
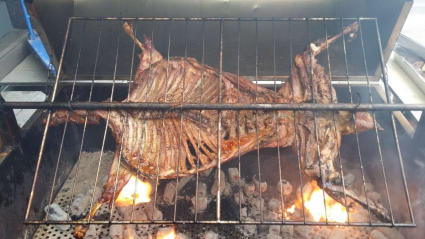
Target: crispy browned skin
<point x="148" y="140"/>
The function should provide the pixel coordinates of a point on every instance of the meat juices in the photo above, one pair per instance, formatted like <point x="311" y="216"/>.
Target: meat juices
<point x="147" y="140"/>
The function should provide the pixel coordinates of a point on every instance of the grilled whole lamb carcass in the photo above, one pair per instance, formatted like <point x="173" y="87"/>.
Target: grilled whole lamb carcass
<point x="155" y="142"/>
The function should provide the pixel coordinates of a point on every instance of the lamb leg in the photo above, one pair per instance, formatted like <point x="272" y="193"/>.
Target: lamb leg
<point x="110" y="192"/>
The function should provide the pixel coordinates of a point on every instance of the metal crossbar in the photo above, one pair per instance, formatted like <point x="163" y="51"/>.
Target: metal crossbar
<point x="164" y="107"/>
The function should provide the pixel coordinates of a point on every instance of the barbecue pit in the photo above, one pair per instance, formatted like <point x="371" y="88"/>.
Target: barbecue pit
<point x="93" y="68"/>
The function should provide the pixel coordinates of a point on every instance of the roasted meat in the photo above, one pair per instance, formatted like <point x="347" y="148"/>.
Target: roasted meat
<point x="169" y="144"/>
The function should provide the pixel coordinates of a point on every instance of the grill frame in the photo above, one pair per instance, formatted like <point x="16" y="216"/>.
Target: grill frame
<point x="52" y="104"/>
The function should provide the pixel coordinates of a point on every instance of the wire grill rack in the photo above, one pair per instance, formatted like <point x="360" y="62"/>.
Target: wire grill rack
<point x="367" y="80"/>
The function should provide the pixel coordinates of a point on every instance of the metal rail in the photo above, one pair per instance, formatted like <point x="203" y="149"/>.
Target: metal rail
<point x="200" y="106"/>
<point x="197" y="106"/>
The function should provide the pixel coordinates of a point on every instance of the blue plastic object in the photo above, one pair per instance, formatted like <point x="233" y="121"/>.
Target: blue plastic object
<point x="36" y="43"/>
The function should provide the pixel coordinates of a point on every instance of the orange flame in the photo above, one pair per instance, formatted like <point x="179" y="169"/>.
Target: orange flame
<point x="314" y="205"/>
<point x="166" y="235"/>
<point x="139" y="192"/>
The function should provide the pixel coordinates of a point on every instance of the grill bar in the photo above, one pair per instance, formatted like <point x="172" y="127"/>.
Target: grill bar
<point x="295" y="126"/>
<point x="341" y="171"/>
<point x="43" y="141"/>
<point x="282" y="203"/>
<point x="394" y="128"/>
<point x="232" y="222"/>
<point x="193" y="106"/>
<point x="200" y="119"/>
<point x="215" y="19"/>
<point x="374" y="123"/>
<point x="220" y="76"/>
<point x="256" y="122"/>
<point x="181" y="107"/>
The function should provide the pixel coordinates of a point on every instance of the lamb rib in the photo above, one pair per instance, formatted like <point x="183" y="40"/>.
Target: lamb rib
<point x="146" y="140"/>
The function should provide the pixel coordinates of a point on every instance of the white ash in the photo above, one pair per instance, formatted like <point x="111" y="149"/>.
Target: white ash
<point x="284" y="187"/>
<point x="337" y="234"/>
<point x="273" y="236"/>
<point x="141" y="212"/>
<point x="57" y="214"/>
<point x="313" y="231"/>
<point x="274" y="229"/>
<point x="257" y="207"/>
<point x="275" y="204"/>
<point x="272" y="216"/>
<point x="244" y="212"/>
<point x="233" y="175"/>
<point x="116" y="231"/>
<point x="249" y="230"/>
<point x="169" y="193"/>
<point x="201" y="204"/>
<point x="374" y="196"/>
<point x="154" y="214"/>
<point x="249" y="189"/>
<point x="210" y="235"/>
<point x="225" y="188"/>
<point x="369" y="187"/>
<point x="79" y="204"/>
<point x="376" y="234"/>
<point x="287" y="231"/>
<point x="93" y="232"/>
<point x="392" y="233"/>
<point x="170" y="189"/>
<point x="349" y="179"/>
<point x="181" y="236"/>
<point x="260" y="186"/>
<point x="202" y="190"/>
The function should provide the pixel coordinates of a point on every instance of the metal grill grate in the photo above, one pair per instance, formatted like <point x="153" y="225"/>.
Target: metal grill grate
<point x="77" y="30"/>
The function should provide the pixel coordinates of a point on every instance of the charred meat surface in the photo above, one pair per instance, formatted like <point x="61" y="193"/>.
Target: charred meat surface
<point x="169" y="144"/>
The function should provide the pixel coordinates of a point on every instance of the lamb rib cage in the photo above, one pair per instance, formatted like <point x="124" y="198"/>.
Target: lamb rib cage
<point x="162" y="108"/>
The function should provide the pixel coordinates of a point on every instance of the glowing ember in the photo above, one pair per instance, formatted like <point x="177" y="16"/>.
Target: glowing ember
<point x="139" y="192"/>
<point x="168" y="234"/>
<point x="314" y="203"/>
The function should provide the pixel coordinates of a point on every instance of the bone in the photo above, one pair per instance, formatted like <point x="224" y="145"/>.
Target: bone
<point x="57" y="214"/>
